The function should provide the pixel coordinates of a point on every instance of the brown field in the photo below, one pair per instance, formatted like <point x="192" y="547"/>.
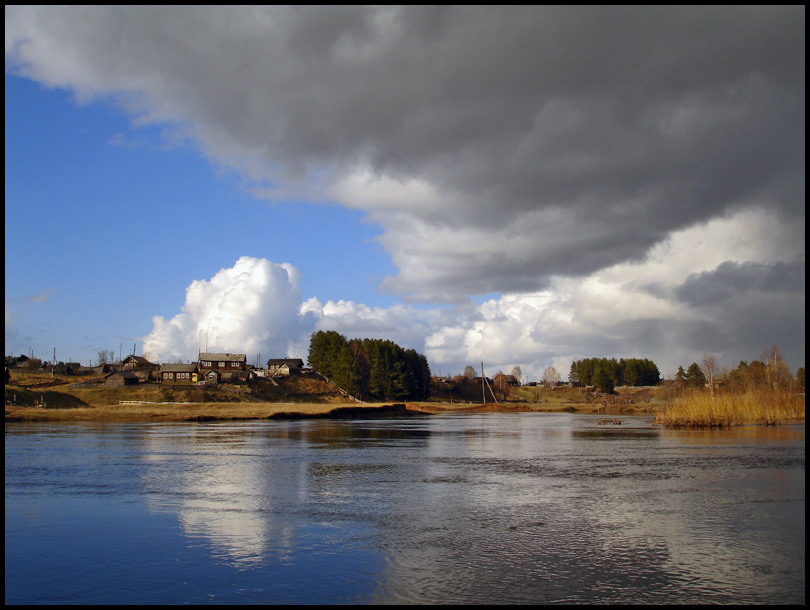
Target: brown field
<point x="42" y="398"/>
<point x="33" y="397"/>
<point x="212" y="411"/>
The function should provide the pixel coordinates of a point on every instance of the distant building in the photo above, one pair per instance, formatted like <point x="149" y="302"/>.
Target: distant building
<point x="212" y="376"/>
<point x="139" y="365"/>
<point x="64" y="368"/>
<point x="121" y="378"/>
<point x="23" y="362"/>
<point x="179" y="373"/>
<point x="284" y="366"/>
<point x="502" y="380"/>
<point x="223" y="362"/>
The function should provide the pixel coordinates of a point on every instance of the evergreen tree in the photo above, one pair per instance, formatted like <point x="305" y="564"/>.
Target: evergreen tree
<point x="603" y="377"/>
<point x="695" y="377"/>
<point x="371" y="367"/>
<point x="573" y="373"/>
<point x="325" y="348"/>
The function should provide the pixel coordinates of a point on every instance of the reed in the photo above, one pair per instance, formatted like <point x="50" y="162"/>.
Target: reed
<point x="699" y="409"/>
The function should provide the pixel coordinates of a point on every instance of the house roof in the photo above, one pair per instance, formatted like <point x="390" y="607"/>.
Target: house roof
<point x="290" y="361"/>
<point x="123" y="374"/>
<point x="178" y="368"/>
<point x="223" y="357"/>
<point x="139" y="359"/>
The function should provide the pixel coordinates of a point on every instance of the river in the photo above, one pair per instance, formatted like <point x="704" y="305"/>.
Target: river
<point x="457" y="509"/>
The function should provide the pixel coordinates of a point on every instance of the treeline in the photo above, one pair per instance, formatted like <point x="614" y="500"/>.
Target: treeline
<point x="370" y="368"/>
<point x="607" y="373"/>
<point x="771" y="372"/>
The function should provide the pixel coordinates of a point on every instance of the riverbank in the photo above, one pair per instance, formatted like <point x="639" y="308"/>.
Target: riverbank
<point x="184" y="412"/>
<point x="700" y="409"/>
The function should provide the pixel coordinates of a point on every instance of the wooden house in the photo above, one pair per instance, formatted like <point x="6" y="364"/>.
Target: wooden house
<point x="140" y="366"/>
<point x="502" y="380"/>
<point x="179" y="373"/>
<point x="121" y="378"/>
<point x="23" y="362"/>
<point x="223" y="362"/>
<point x="212" y="376"/>
<point x="284" y="366"/>
<point x="64" y="368"/>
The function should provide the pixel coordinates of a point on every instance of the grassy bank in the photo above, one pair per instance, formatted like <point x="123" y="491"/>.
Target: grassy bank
<point x="34" y="397"/>
<point x="233" y="411"/>
<point x="169" y="412"/>
<point x="699" y="409"/>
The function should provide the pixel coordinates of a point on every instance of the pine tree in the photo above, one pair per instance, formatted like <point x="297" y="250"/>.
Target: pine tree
<point x="695" y="377"/>
<point x="603" y="377"/>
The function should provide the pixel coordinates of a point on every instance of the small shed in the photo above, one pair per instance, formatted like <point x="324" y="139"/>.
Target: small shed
<point x="120" y="378"/>
<point x="213" y="376"/>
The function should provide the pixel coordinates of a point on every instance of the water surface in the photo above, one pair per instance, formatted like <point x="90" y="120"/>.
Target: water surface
<point x="485" y="508"/>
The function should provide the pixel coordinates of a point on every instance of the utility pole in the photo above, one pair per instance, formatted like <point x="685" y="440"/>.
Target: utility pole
<point x="483" y="384"/>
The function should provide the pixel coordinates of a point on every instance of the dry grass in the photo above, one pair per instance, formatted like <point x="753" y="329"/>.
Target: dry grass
<point x="167" y="412"/>
<point x="215" y="411"/>
<point x="698" y="409"/>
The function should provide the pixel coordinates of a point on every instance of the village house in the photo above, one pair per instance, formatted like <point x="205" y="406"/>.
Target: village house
<point x="121" y="378"/>
<point x="502" y="380"/>
<point x="140" y="366"/>
<point x="179" y="373"/>
<point x="223" y="362"/>
<point x="64" y="368"/>
<point x="284" y="366"/>
<point x="212" y="377"/>
<point x="231" y="367"/>
<point x="23" y="362"/>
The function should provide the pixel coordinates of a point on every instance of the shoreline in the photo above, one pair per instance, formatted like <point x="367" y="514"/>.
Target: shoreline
<point x="190" y="412"/>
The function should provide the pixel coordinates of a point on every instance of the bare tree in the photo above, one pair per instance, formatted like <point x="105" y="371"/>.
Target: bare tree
<point x="777" y="372"/>
<point x="710" y="370"/>
<point x="551" y="376"/>
<point x="469" y="372"/>
<point x="517" y="374"/>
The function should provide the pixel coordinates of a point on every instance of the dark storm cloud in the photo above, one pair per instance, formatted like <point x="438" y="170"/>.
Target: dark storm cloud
<point x="553" y="140"/>
<point x="733" y="281"/>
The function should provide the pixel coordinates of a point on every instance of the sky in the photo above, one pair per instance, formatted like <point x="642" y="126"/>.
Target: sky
<point x="522" y="186"/>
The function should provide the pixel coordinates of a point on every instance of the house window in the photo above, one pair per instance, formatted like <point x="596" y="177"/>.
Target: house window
<point x="167" y="375"/>
<point x="206" y="363"/>
<point x="222" y="365"/>
<point x="235" y="364"/>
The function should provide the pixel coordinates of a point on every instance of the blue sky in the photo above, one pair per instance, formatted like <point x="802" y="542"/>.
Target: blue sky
<point x="106" y="225"/>
<point x="523" y="186"/>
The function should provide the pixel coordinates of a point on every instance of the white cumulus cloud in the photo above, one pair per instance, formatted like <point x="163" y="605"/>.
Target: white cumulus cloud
<point x="252" y="308"/>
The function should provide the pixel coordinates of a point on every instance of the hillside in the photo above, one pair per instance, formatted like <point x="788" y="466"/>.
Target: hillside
<point x="65" y="393"/>
<point x="40" y="389"/>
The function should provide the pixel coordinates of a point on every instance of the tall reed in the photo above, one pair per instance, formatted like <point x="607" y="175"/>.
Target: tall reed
<point x="699" y="409"/>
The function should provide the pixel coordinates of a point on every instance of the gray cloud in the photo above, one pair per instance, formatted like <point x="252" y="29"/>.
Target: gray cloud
<point x="733" y="281"/>
<point x="501" y="150"/>
<point x="592" y="132"/>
